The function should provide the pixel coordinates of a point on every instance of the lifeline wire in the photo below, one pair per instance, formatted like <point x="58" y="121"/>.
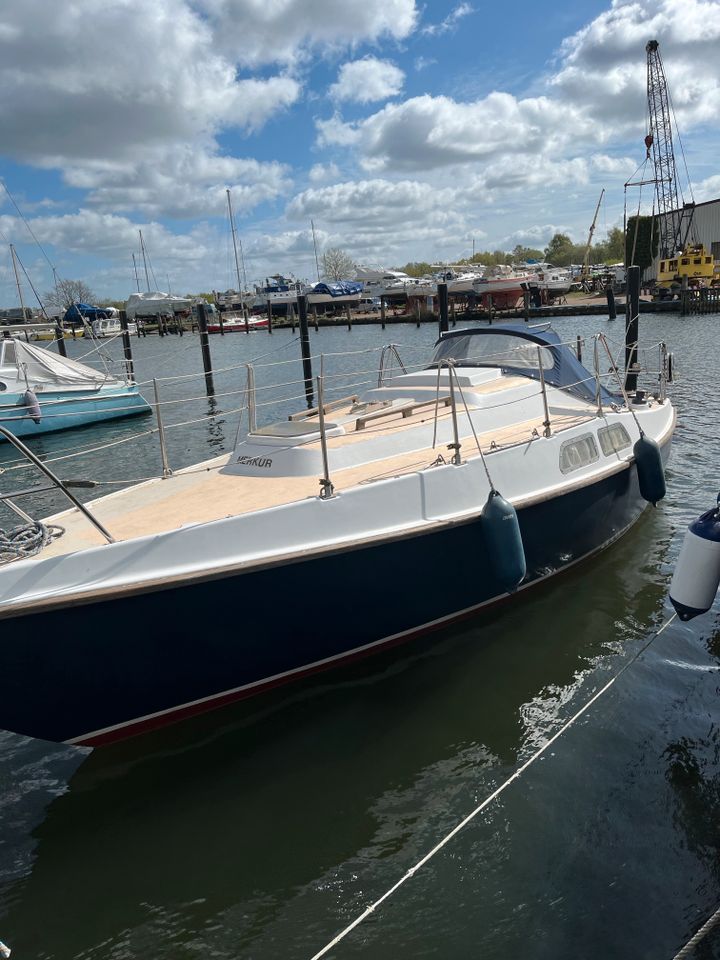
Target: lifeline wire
<point x="488" y="800"/>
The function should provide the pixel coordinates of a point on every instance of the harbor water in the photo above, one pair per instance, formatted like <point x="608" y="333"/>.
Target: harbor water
<point x="261" y="830"/>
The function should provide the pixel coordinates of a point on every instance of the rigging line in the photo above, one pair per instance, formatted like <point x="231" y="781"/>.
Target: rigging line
<point x="32" y="286"/>
<point x="488" y="800"/>
<point x="682" y="148"/>
<point x="20" y="214"/>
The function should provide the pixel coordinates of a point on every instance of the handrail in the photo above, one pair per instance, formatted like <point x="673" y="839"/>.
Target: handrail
<point x="29" y="455"/>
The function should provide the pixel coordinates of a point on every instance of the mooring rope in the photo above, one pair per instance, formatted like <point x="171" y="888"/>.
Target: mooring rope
<point x="700" y="935"/>
<point x="488" y="800"/>
<point x="27" y="540"/>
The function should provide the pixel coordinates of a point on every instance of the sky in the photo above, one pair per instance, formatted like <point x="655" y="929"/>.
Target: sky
<point x="403" y="130"/>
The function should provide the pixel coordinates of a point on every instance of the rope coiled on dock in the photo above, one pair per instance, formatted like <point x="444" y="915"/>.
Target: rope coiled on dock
<point x="27" y="540"/>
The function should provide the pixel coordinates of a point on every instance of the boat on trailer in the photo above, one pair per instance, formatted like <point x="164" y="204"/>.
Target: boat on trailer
<point x="394" y="480"/>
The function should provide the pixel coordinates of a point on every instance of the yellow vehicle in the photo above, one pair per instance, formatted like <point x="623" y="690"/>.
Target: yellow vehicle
<point x="695" y="263"/>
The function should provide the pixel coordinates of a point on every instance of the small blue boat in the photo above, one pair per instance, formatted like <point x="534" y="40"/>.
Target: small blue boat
<point x="41" y="392"/>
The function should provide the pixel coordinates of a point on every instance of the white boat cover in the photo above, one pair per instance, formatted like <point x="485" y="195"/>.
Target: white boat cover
<point x="155" y="303"/>
<point x="37" y="365"/>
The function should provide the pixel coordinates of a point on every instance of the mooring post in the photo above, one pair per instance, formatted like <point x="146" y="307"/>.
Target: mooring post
<point x="315" y="317"/>
<point x="610" y="294"/>
<point x="305" y="348"/>
<point x="349" y="317"/>
<point x="205" y="348"/>
<point x="127" y="348"/>
<point x="269" y="315"/>
<point x="578" y="347"/>
<point x="632" y="328"/>
<point x="222" y="323"/>
<point x="382" y="312"/>
<point x="60" y="340"/>
<point x="246" y="318"/>
<point x="526" y="305"/>
<point x="684" y="296"/>
<point x="442" y="290"/>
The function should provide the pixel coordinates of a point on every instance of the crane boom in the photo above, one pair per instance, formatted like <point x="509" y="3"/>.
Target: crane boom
<point x="674" y="217"/>
<point x="586" y="257"/>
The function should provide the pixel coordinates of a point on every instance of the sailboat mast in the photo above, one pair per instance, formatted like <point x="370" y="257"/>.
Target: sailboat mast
<point x="317" y="265"/>
<point x="142" y="250"/>
<point x="137" y="279"/>
<point x="17" y="280"/>
<point x="232" y="230"/>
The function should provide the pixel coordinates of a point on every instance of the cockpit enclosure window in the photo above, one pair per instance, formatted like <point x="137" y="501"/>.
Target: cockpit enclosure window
<point x="613" y="438"/>
<point x="7" y="354"/>
<point x="493" y="350"/>
<point x="578" y="453"/>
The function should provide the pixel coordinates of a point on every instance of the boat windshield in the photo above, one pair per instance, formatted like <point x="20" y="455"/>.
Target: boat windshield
<point x="493" y="350"/>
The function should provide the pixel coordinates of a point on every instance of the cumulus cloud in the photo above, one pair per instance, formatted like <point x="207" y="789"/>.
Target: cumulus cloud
<point x="428" y="132"/>
<point x="257" y="31"/>
<point x="366" y="80"/>
<point x="321" y="172"/>
<point x="180" y="183"/>
<point x="381" y="201"/>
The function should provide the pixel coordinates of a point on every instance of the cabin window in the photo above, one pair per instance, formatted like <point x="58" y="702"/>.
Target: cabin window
<point x="613" y="439"/>
<point x="685" y="261"/>
<point x="698" y="260"/>
<point x="663" y="266"/>
<point x="708" y="259"/>
<point x="578" y="453"/>
<point x="8" y="358"/>
<point x="673" y="265"/>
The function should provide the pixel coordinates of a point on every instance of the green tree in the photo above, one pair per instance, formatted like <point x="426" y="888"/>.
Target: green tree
<point x="615" y="245"/>
<point x="561" y="250"/>
<point x="416" y="268"/>
<point x="521" y="253"/>
<point x="641" y="240"/>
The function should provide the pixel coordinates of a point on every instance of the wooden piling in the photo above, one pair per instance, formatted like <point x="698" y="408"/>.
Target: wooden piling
<point x="382" y="312"/>
<point x="315" y="317"/>
<point x="526" y="305"/>
<point x="222" y="323"/>
<point x="632" y="308"/>
<point x="305" y="349"/>
<point x="684" y="297"/>
<point x="610" y="294"/>
<point x="269" y="315"/>
<point x="60" y="340"/>
<point x="205" y="349"/>
<point x="578" y="347"/>
<point x="349" y="317"/>
<point x="442" y="307"/>
<point x="127" y="348"/>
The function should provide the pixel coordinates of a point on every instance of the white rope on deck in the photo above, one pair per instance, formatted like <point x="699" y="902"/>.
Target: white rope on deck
<point x="488" y="800"/>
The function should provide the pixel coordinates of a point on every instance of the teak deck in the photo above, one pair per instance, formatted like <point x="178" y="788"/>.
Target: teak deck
<point x="204" y="493"/>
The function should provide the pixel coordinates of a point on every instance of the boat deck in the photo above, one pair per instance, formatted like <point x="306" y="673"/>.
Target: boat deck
<point x="208" y="492"/>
